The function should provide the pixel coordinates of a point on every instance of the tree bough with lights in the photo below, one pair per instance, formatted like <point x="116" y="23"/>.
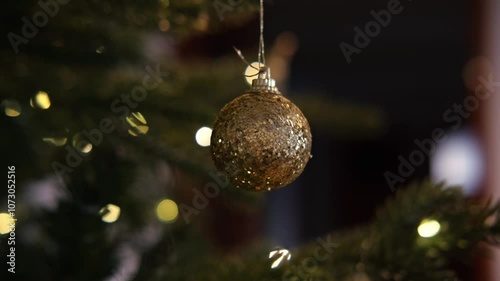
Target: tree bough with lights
<point x="102" y="222"/>
<point x="422" y="233"/>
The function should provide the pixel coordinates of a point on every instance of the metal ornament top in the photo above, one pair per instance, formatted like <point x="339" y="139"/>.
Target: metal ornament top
<point x="264" y="83"/>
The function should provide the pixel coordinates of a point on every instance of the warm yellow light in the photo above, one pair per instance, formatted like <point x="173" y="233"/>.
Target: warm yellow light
<point x="81" y="144"/>
<point x="5" y="223"/>
<point x="203" y="136"/>
<point x="279" y="255"/>
<point x="251" y="72"/>
<point x="139" y="117"/>
<point x="12" y="108"/>
<point x="131" y="132"/>
<point x="110" y="213"/>
<point x="56" y="141"/>
<point x="167" y="210"/>
<point x="41" y="100"/>
<point x="138" y="124"/>
<point x="12" y="112"/>
<point x="428" y="228"/>
<point x="138" y="130"/>
<point x="86" y="148"/>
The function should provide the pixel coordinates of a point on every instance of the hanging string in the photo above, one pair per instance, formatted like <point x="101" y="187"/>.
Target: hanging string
<point x="240" y="54"/>
<point x="261" y="54"/>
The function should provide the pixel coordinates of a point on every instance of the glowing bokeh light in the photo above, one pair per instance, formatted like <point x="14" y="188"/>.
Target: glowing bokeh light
<point x="81" y="144"/>
<point x="251" y="72"/>
<point x="459" y="161"/>
<point x="41" y="100"/>
<point x="86" y="148"/>
<point x="12" y="108"/>
<point x="110" y="213"/>
<point x="167" y="210"/>
<point x="203" y="136"/>
<point x="56" y="141"/>
<point x="5" y="223"/>
<point x="429" y="228"/>
<point x="137" y="123"/>
<point x="279" y="255"/>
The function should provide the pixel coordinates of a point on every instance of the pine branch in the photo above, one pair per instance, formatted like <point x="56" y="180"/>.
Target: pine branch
<point x="390" y="248"/>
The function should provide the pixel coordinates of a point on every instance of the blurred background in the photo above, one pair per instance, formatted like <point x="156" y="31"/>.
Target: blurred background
<point x="108" y="176"/>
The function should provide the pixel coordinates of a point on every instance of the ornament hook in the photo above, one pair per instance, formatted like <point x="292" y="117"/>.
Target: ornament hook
<point x="264" y="82"/>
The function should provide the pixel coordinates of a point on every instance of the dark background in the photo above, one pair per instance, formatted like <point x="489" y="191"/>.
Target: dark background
<point x="412" y="71"/>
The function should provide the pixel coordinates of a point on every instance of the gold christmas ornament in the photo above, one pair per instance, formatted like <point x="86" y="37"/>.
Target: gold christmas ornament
<point x="261" y="139"/>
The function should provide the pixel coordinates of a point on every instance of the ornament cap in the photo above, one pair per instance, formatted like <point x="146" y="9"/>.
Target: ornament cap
<point x="264" y="83"/>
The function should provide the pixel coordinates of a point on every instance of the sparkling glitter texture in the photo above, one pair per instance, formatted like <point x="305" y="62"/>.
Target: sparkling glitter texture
<point x="262" y="140"/>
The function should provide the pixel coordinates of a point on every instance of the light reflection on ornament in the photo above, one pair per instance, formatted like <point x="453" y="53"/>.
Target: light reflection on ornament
<point x="6" y="222"/>
<point x="203" y="135"/>
<point x="167" y="210"/>
<point x="429" y="228"/>
<point x="279" y="256"/>
<point x="110" y="213"/>
<point x="12" y="108"/>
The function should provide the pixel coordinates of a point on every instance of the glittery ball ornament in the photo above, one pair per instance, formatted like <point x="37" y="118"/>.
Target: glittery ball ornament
<point x="261" y="139"/>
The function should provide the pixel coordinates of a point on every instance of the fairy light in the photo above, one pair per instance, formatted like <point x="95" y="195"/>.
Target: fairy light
<point x="86" y="148"/>
<point x="40" y="100"/>
<point x="55" y="141"/>
<point x="167" y="210"/>
<point x="137" y="123"/>
<point x="81" y="144"/>
<point x="12" y="108"/>
<point x="251" y="72"/>
<point x="429" y="228"/>
<point x="110" y="213"/>
<point x="6" y="223"/>
<point x="203" y="135"/>
<point x="279" y="255"/>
